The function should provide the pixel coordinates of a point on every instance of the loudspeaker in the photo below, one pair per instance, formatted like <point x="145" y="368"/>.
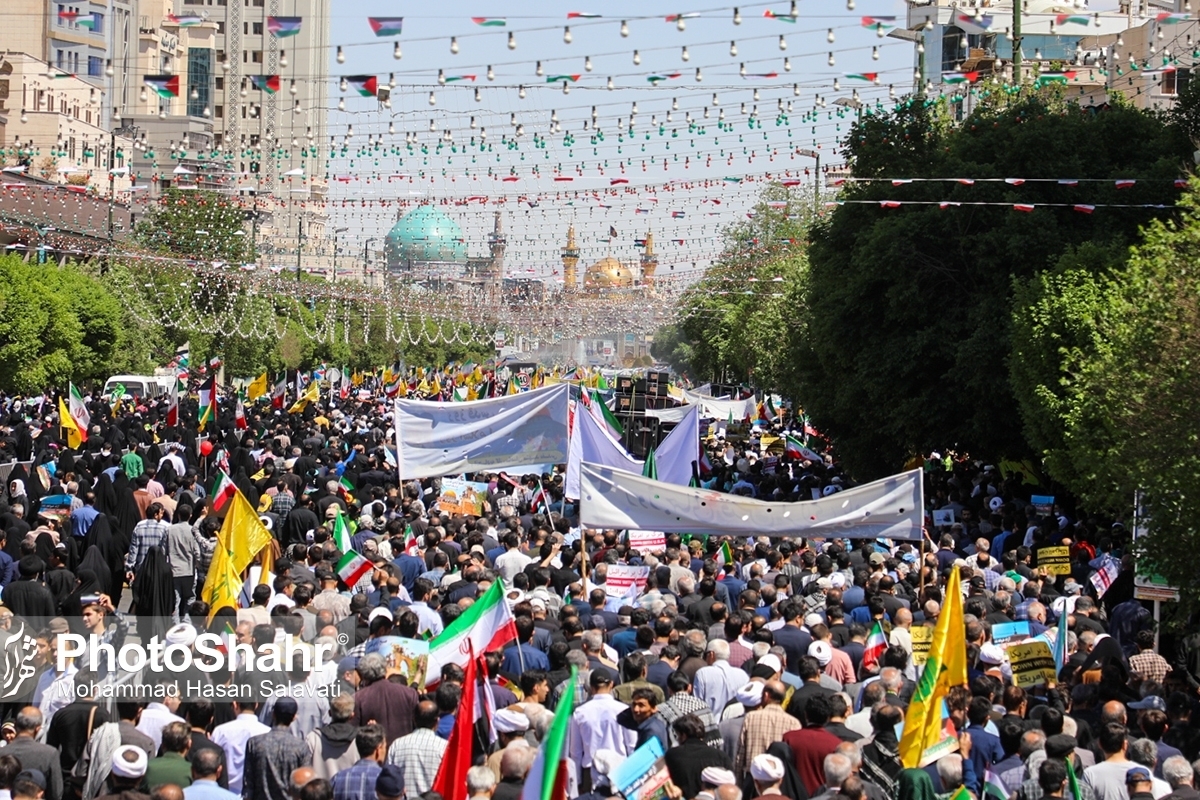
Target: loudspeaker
<point x="639" y="386"/>
<point x="657" y="401"/>
<point x="624" y="384"/>
<point x="630" y="402"/>
<point x="641" y="435"/>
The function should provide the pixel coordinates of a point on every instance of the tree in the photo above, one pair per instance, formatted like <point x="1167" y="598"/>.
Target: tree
<point x="905" y="333"/>
<point x="734" y="321"/>
<point x="195" y="224"/>
<point x="671" y="347"/>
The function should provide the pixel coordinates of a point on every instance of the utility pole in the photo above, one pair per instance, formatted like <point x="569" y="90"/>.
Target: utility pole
<point x="816" y="177"/>
<point x="112" y="165"/>
<point x="336" y="231"/>
<point x="1018" y="58"/>
<point x="299" y="245"/>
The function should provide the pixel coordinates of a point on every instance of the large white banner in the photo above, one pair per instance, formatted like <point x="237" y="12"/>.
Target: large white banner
<point x="679" y="450"/>
<point x="614" y="499"/>
<point x="711" y="408"/>
<point x="451" y="438"/>
<point x="592" y="443"/>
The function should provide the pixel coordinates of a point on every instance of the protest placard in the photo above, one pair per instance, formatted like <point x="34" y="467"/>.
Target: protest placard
<point x="643" y="775"/>
<point x="401" y="656"/>
<point x="943" y="517"/>
<point x="1043" y="504"/>
<point x="462" y="497"/>
<point x="1055" y="560"/>
<point x="626" y="581"/>
<point x="922" y="640"/>
<point x="1010" y="632"/>
<point x="1032" y="663"/>
<point x="647" y="541"/>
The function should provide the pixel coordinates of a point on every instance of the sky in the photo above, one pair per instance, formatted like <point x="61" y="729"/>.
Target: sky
<point x="684" y="182"/>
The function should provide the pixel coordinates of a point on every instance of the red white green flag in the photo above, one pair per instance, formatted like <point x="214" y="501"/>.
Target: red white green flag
<point x="223" y="491"/>
<point x="875" y="647"/>
<point x="486" y="626"/>
<point x="547" y="778"/>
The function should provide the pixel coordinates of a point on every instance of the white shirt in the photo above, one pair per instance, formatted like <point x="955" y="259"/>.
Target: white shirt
<point x="717" y="684"/>
<point x="59" y="693"/>
<point x="511" y="564"/>
<point x="430" y="620"/>
<point x="1107" y="779"/>
<point x="594" y="726"/>
<point x="232" y="737"/>
<point x="155" y="717"/>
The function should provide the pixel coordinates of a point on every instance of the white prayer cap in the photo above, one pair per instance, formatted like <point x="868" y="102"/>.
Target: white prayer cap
<point x="123" y="767"/>
<point x="821" y="651"/>
<point x="509" y="721"/>
<point x="771" y="660"/>
<point x="750" y="694"/>
<point x="715" y="776"/>
<point x="605" y="760"/>
<point x="766" y="768"/>
<point x="183" y="634"/>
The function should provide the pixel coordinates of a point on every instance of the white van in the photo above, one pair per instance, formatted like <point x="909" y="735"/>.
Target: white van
<point x="140" y="385"/>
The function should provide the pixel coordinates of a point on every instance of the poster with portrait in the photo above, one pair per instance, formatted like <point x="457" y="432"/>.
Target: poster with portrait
<point x="406" y="657"/>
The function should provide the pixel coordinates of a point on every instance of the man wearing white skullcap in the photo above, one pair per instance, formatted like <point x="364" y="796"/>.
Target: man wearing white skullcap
<point x="767" y="772"/>
<point x="510" y="725"/>
<point x="128" y="769"/>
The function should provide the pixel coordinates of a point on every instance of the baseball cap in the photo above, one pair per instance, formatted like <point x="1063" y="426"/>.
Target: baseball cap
<point x="1137" y="774"/>
<point x="390" y="782"/>
<point x="877" y="558"/>
<point x="1152" y="701"/>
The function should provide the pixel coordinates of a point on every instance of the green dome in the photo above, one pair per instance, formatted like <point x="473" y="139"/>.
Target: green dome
<point x="425" y="234"/>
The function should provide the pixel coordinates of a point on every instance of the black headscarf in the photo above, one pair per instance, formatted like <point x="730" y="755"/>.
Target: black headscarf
<point x="100" y="537"/>
<point x="106" y="495"/>
<point x="72" y="605"/>
<point x="128" y="513"/>
<point x="154" y="593"/>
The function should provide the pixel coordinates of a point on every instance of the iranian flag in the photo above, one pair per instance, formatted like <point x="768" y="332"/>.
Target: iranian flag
<point x="173" y="408"/>
<point x="486" y="626"/>
<point x="239" y="416"/>
<point x="796" y="449"/>
<point x="79" y="412"/>
<point x="279" y="393"/>
<point x="875" y="647"/>
<point x="547" y="778"/>
<point x="604" y="415"/>
<point x="724" y="555"/>
<point x="352" y="566"/>
<point x="411" y="547"/>
<point x="223" y="490"/>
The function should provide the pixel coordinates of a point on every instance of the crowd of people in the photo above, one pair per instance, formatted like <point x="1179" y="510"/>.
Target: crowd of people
<point x="757" y="667"/>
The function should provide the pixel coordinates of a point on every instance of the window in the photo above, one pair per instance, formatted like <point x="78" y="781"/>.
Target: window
<point x="258" y="3"/>
<point x="61" y="9"/>
<point x="256" y="56"/>
<point x="220" y="83"/>
<point x="220" y="26"/>
<point x="1173" y="82"/>
<point x="219" y="112"/>
<point x="199" y="75"/>
<point x="97" y="22"/>
<point x="59" y="58"/>
<point x="257" y="28"/>
<point x="95" y="66"/>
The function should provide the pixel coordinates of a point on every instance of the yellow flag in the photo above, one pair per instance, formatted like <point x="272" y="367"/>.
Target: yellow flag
<point x="69" y="426"/>
<point x="311" y="395"/>
<point x="946" y="667"/>
<point x="243" y="534"/>
<point x="256" y="388"/>
<point x="267" y="576"/>
<point x="223" y="584"/>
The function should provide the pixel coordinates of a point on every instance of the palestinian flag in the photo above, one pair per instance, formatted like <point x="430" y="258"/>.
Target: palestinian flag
<point x="267" y="83"/>
<point x="185" y="20"/>
<point x="769" y="14"/>
<point x="165" y="85"/>
<point x="562" y="78"/>
<point x="208" y="402"/>
<point x="284" y="26"/>
<point x="993" y="787"/>
<point x="547" y="778"/>
<point x="875" y="647"/>
<point x="279" y="393"/>
<point x="365" y="85"/>
<point x="960" y="77"/>
<point x="79" y="411"/>
<point x="870" y="77"/>
<point x="386" y="26"/>
<point x="489" y="22"/>
<point x="223" y="490"/>
<point x="88" y="22"/>
<point x="1072" y="19"/>
<point x="486" y="626"/>
<point x="581" y="15"/>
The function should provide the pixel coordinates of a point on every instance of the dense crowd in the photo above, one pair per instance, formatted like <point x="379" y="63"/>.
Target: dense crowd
<point x="771" y="668"/>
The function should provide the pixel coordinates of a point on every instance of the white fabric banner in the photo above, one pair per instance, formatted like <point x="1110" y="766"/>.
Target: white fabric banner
<point x="591" y="441"/>
<point x="614" y="499"/>
<point x="675" y="414"/>
<point x="722" y="409"/>
<point x="451" y="438"/>
<point x="679" y="449"/>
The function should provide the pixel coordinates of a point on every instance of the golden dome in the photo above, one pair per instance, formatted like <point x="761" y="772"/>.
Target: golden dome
<point x="608" y="273"/>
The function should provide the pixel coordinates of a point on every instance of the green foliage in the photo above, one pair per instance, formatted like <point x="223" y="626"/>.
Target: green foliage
<point x="1118" y="352"/>
<point x="670" y="347"/>
<point x="905" y="333"/>
<point x="195" y="224"/>
<point x="735" y="320"/>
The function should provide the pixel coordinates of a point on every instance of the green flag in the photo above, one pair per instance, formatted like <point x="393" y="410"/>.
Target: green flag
<point x="650" y="467"/>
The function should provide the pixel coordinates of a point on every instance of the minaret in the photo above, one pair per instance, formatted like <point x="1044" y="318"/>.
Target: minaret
<point x="570" y="259"/>
<point x="649" y="262"/>
<point x="497" y="243"/>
